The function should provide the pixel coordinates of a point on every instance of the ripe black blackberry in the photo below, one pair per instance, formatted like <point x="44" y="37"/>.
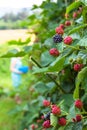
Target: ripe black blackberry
<point x="57" y="38"/>
<point x="47" y="116"/>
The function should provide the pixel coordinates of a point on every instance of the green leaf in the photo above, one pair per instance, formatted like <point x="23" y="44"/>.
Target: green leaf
<point x="50" y="84"/>
<point x="83" y="42"/>
<point x="69" y="126"/>
<point x="85" y="121"/>
<point x="49" y="43"/>
<point x="40" y="70"/>
<point x="84" y="14"/>
<point x="61" y="128"/>
<point x="53" y="120"/>
<point x="27" y="49"/>
<point x="60" y="47"/>
<point x="36" y="46"/>
<point x="46" y="58"/>
<point x="78" y="126"/>
<point x="68" y="101"/>
<point x="13" y="53"/>
<point x="85" y="128"/>
<point x="73" y="6"/>
<point x="33" y="116"/>
<point x="76" y="29"/>
<point x="19" y="42"/>
<point x="56" y="66"/>
<point x="40" y="87"/>
<point x="72" y="113"/>
<point x="79" y="79"/>
<point x="84" y="83"/>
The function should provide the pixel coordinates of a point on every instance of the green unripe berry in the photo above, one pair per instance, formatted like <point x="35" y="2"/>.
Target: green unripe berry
<point x="79" y="60"/>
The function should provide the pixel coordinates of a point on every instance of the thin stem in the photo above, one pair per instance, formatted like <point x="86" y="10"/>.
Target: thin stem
<point x="56" y="83"/>
<point x="84" y="113"/>
<point x="48" y="75"/>
<point x="74" y="48"/>
<point x="36" y="62"/>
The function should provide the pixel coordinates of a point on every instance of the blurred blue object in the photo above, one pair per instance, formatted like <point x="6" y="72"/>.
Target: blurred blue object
<point x="24" y="69"/>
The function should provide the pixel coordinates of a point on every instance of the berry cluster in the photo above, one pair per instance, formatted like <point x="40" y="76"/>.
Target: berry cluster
<point x="77" y="118"/>
<point x="54" y="109"/>
<point x="77" y="12"/>
<point x="59" y="31"/>
<point x="77" y="64"/>
<point x="57" y="38"/>
<point x="57" y="111"/>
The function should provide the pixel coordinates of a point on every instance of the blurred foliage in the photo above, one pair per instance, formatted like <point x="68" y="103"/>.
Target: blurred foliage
<point x="55" y="79"/>
<point x="14" y="21"/>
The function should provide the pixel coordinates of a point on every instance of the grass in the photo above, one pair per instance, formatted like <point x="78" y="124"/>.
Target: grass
<point x="7" y="102"/>
<point x="5" y="78"/>
<point x="7" y="121"/>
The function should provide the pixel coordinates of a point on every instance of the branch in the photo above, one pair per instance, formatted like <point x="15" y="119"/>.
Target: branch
<point x="60" y="88"/>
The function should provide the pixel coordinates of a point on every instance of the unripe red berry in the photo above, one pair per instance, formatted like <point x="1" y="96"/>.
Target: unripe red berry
<point x="78" y="117"/>
<point x="62" y="121"/>
<point x="56" y="110"/>
<point x="78" y="104"/>
<point x="67" y="23"/>
<point x="46" y="103"/>
<point x="68" y="40"/>
<point x="33" y="127"/>
<point x="62" y="26"/>
<point x="75" y="15"/>
<point x="46" y="124"/>
<point x="78" y="67"/>
<point x="54" y="52"/>
<point x="59" y="30"/>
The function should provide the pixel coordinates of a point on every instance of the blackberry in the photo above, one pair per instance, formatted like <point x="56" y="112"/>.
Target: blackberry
<point x="57" y="38"/>
<point x="47" y="116"/>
